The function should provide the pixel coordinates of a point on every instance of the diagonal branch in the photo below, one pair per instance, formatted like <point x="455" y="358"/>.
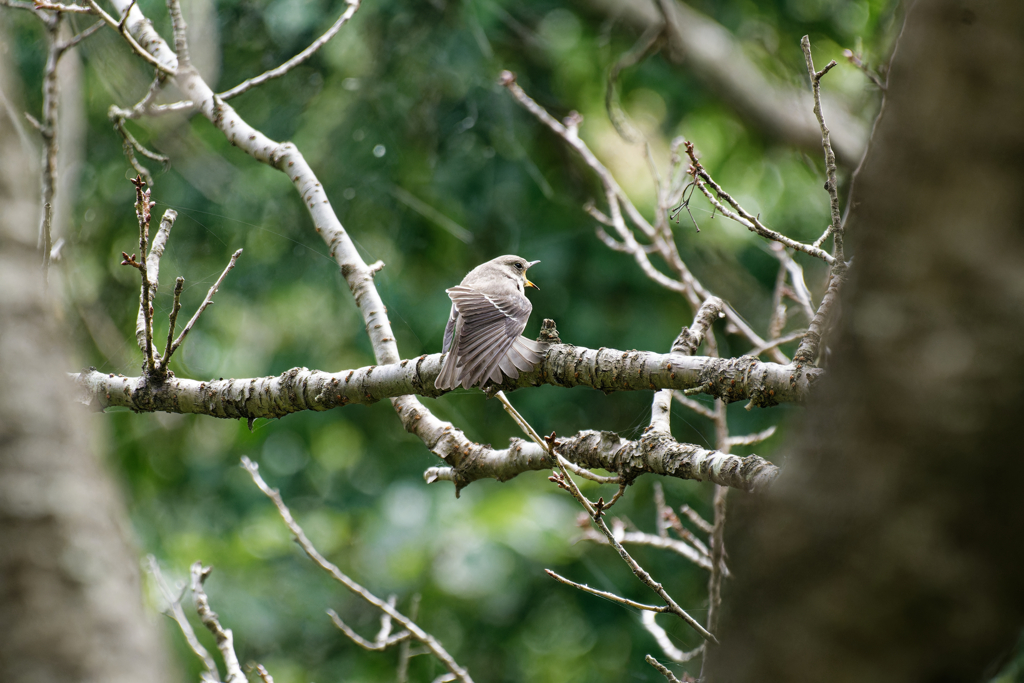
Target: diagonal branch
<point x="386" y="607"/>
<point x="686" y="284"/>
<point x="206" y="302"/>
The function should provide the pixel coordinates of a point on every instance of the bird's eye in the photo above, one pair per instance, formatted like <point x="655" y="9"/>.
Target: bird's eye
<point x="518" y="265"/>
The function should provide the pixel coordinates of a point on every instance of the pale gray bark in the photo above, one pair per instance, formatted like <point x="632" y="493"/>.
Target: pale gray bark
<point x="890" y="548"/>
<point x="733" y="379"/>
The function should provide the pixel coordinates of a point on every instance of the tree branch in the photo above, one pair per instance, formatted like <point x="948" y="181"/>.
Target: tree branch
<point x="385" y="607"/>
<point x="717" y="58"/>
<point x="608" y="370"/>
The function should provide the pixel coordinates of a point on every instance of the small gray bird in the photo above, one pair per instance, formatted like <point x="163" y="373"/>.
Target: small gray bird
<point x="483" y="338"/>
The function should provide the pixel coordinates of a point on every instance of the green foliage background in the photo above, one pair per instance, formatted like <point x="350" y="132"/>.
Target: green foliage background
<point x="405" y="100"/>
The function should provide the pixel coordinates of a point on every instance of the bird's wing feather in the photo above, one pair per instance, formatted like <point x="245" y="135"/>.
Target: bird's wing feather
<point x="448" y="377"/>
<point x="449" y="330"/>
<point x="491" y="324"/>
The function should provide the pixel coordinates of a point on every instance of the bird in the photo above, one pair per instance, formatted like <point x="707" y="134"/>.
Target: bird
<point x="483" y="338"/>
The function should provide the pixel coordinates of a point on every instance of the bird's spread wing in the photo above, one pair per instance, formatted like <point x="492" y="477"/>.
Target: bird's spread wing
<point x="447" y="378"/>
<point x="485" y="333"/>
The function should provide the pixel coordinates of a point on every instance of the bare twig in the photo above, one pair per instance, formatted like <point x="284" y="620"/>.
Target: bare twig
<point x="143" y="333"/>
<point x="631" y="57"/>
<point x="130" y="145"/>
<point x="143" y="106"/>
<point x="176" y="612"/>
<point x="648" y="619"/>
<point x="180" y="31"/>
<point x="416" y="632"/>
<point x="684" y="282"/>
<point x="144" y="319"/>
<point x="54" y="6"/>
<point x="279" y="71"/>
<point x="784" y="339"/>
<point x="696" y="518"/>
<point x="831" y="184"/>
<point x="225" y="639"/>
<point x="605" y="594"/>
<point x="139" y="50"/>
<point x="698" y="556"/>
<point x="564" y="480"/>
<point x="206" y="302"/>
<point x="80" y="36"/>
<point x="856" y="60"/>
<point x="261" y="671"/>
<point x="695" y="406"/>
<point x="673" y="521"/>
<point x="384" y="638"/>
<point x="179" y="284"/>
<point x="807" y="352"/>
<point x="404" y="653"/>
<point x="662" y="669"/>
<point x="753" y="223"/>
<point x="751" y="439"/>
<point x="687" y="343"/>
<point x="48" y="127"/>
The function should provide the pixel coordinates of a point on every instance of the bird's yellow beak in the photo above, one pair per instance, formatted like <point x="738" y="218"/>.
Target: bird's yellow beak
<point x="527" y="280"/>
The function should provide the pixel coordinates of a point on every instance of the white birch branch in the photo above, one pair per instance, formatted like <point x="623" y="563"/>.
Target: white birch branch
<point x="608" y="370"/>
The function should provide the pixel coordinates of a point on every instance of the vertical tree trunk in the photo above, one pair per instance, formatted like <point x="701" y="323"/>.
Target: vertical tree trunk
<point x="890" y="550"/>
<point x="70" y="601"/>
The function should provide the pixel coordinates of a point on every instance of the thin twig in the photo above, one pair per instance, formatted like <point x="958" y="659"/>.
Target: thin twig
<point x="81" y="35"/>
<point x="751" y="439"/>
<point x="176" y="612"/>
<point x="143" y="208"/>
<point x="784" y="339"/>
<point x="54" y="6"/>
<point x="262" y="672"/>
<point x="623" y="126"/>
<point x="696" y="518"/>
<point x="673" y="521"/>
<point x="130" y="145"/>
<point x="225" y="639"/>
<point x="180" y="31"/>
<point x="179" y="284"/>
<point x="856" y="60"/>
<point x="277" y="72"/>
<point x="807" y="352"/>
<point x="695" y="406"/>
<point x="206" y="302"/>
<point x="648" y="619"/>
<point x="567" y="482"/>
<point x="662" y="669"/>
<point x="753" y="223"/>
<point x="404" y="649"/>
<point x="686" y="283"/>
<point x="383" y="641"/>
<point x="300" y="537"/>
<point x="141" y="51"/>
<point x="605" y="594"/>
<point x="698" y="556"/>
<point x="831" y="184"/>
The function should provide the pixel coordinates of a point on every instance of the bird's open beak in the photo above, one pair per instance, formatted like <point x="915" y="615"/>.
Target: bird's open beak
<point x="528" y="283"/>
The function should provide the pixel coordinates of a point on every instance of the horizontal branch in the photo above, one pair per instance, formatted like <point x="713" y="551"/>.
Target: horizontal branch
<point x="654" y="453"/>
<point x="732" y="379"/>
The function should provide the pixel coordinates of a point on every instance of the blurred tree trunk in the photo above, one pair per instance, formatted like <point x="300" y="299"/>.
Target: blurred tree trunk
<point x="70" y="600"/>
<point x="890" y="550"/>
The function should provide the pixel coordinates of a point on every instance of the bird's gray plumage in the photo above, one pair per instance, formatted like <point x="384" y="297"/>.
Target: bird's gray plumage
<point x="483" y="338"/>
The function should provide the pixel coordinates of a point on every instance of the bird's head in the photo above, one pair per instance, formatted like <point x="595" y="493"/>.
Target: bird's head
<point x="516" y="267"/>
